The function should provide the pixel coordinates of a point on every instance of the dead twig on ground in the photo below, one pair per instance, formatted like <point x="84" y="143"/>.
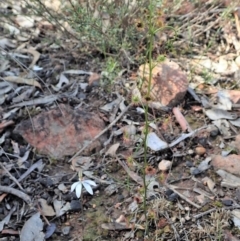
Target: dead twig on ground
<point x="182" y="196"/>
<point x="11" y="176"/>
<point x="202" y="192"/>
<point x="17" y="193"/>
<point x="132" y="174"/>
<point x="181" y="120"/>
<point x="197" y="216"/>
<point x="176" y="234"/>
<point x="39" y="164"/>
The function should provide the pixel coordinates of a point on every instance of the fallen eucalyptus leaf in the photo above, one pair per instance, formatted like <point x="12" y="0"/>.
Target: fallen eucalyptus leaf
<point x="216" y="114"/>
<point x="110" y="106"/>
<point x="60" y="208"/>
<point x="24" y="95"/>
<point x="20" y="80"/>
<point x="229" y="180"/>
<point x="24" y="21"/>
<point x="9" y="113"/>
<point x="5" y="88"/>
<point x="224" y="101"/>
<point x="35" y="53"/>
<point x="235" y="122"/>
<point x="46" y="209"/>
<point x="4" y="64"/>
<point x="113" y="149"/>
<point x="7" y="218"/>
<point x="32" y="229"/>
<point x="155" y="143"/>
<point x="209" y="182"/>
<point x="62" y="80"/>
<point x="6" y="43"/>
<point x="39" y="101"/>
<point x="205" y="164"/>
<point x="236" y="217"/>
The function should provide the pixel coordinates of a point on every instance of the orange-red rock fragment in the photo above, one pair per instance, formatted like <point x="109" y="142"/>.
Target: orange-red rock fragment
<point x="230" y="163"/>
<point x="168" y="84"/>
<point x="62" y="131"/>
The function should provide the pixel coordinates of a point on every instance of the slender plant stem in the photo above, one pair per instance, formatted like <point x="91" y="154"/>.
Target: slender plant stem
<point x="146" y="129"/>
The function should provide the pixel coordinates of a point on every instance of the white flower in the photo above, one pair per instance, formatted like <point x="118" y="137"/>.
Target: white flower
<point x="78" y="186"/>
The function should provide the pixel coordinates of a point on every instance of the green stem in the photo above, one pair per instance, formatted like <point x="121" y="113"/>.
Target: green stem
<point x="149" y="54"/>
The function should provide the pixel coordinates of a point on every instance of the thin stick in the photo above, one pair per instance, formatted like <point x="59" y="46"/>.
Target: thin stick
<point x="101" y="133"/>
<point x="41" y="212"/>
<point x="25" y="174"/>
<point x="132" y="174"/>
<point x="183" y="197"/>
<point x="17" y="193"/>
<point x="30" y="169"/>
<point x="204" y="213"/>
<point x="11" y="176"/>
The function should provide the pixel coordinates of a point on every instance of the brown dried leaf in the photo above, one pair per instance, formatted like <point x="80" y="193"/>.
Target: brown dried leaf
<point x="20" y="80"/>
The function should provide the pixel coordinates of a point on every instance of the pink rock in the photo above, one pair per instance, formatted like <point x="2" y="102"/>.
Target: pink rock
<point x="168" y="84"/>
<point x="164" y="165"/>
<point x="230" y="163"/>
<point x="62" y="131"/>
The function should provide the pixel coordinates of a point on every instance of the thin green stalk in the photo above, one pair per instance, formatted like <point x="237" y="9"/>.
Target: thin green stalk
<point x="146" y="129"/>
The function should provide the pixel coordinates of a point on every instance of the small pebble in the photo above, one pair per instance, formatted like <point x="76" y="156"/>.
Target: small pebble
<point x="173" y="197"/>
<point x="227" y="202"/>
<point x="190" y="152"/>
<point x="75" y="205"/>
<point x="111" y="189"/>
<point x="200" y="150"/>
<point x="220" y="193"/>
<point x="164" y="165"/>
<point x="202" y="141"/>
<point x="213" y="131"/>
<point x="182" y="220"/>
<point x="120" y="198"/>
<point x="62" y="188"/>
<point x="169" y="192"/>
<point x="104" y="176"/>
<point x="195" y="171"/>
<point x="66" y="230"/>
<point x="189" y="164"/>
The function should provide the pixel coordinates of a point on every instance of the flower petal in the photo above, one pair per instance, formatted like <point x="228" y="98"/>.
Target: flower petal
<point x="87" y="187"/>
<point x="79" y="189"/>
<point x="90" y="182"/>
<point x="73" y="187"/>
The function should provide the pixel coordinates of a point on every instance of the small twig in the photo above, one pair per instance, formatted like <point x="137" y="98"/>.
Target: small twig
<point x="41" y="212"/>
<point x="237" y="22"/>
<point x="197" y="216"/>
<point x="182" y="196"/>
<point x="101" y="133"/>
<point x="25" y="174"/>
<point x="185" y="136"/>
<point x="204" y="213"/>
<point x="177" y="236"/>
<point x="11" y="176"/>
<point x="17" y="193"/>
<point x="30" y="169"/>
<point x="181" y="120"/>
<point x="202" y="192"/>
<point x="132" y="174"/>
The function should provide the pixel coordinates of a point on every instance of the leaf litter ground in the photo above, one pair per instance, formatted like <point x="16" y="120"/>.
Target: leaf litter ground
<point x="193" y="186"/>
